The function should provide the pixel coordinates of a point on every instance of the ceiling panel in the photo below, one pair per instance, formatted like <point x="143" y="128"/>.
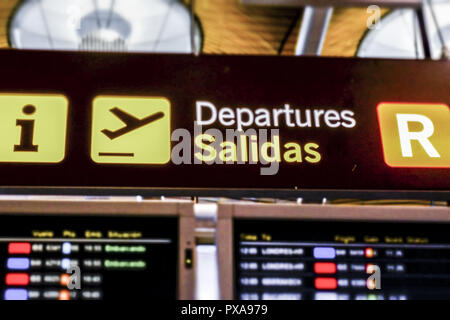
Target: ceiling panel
<point x="6" y="9"/>
<point x="232" y="28"/>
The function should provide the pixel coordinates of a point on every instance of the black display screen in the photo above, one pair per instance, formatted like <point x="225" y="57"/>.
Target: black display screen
<point x="119" y="257"/>
<point x="329" y="260"/>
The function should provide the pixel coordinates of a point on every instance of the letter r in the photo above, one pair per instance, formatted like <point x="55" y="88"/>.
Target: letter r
<point x="415" y="135"/>
<point x="407" y="136"/>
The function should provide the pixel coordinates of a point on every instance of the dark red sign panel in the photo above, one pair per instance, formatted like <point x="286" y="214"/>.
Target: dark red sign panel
<point x="245" y="122"/>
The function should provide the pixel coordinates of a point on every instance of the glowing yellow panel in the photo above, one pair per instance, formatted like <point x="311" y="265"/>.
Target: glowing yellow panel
<point x="415" y="134"/>
<point x="130" y="130"/>
<point x="33" y="128"/>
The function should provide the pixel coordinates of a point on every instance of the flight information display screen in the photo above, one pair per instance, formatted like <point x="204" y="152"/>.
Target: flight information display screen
<point x="85" y="257"/>
<point x="341" y="260"/>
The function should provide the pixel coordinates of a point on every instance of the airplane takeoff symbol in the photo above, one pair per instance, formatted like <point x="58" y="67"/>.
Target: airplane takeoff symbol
<point x="142" y="136"/>
<point x="131" y="123"/>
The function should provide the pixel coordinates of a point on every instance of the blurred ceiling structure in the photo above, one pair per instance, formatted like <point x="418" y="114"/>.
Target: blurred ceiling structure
<point x="232" y="28"/>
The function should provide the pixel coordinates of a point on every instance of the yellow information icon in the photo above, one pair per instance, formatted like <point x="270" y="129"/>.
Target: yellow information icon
<point x="33" y="127"/>
<point x="130" y="130"/>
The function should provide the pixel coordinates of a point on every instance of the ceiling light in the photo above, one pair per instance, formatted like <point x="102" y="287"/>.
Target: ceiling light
<point x="399" y="36"/>
<point x="105" y="25"/>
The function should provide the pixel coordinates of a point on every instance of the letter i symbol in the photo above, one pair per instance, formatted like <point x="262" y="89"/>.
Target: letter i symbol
<point x="27" y="131"/>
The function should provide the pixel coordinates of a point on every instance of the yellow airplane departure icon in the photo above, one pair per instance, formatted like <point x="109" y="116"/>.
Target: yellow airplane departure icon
<point x="131" y="123"/>
<point x="131" y="130"/>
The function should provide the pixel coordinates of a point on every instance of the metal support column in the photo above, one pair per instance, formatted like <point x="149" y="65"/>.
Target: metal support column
<point x="313" y="30"/>
<point x="423" y="32"/>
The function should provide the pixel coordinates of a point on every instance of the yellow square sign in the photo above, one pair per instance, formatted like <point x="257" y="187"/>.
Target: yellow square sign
<point x="130" y="130"/>
<point x="415" y="135"/>
<point x="33" y="128"/>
